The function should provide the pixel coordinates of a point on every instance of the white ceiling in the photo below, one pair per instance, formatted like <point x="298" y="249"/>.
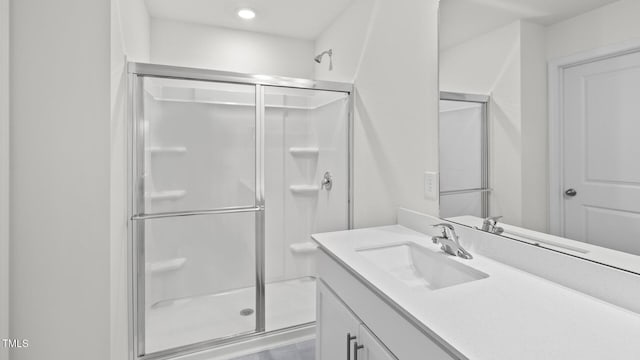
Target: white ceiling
<point x="461" y="20"/>
<point x="303" y="19"/>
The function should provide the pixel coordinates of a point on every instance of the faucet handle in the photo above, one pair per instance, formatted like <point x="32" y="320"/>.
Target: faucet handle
<point x="444" y="227"/>
<point x="493" y="219"/>
<point x="490" y="225"/>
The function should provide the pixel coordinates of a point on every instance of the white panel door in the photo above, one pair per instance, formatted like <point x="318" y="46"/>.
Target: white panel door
<point x="337" y="327"/>
<point x="602" y="152"/>
<point x="369" y="348"/>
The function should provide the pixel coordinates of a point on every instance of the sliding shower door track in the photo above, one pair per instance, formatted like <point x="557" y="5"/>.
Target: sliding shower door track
<point x="204" y="346"/>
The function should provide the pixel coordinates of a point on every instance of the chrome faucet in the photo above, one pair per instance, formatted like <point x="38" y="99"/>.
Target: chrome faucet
<point x="490" y="225"/>
<point x="449" y="241"/>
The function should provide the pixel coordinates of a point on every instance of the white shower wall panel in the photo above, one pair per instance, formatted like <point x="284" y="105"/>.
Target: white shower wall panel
<point x="285" y="217"/>
<point x="199" y="255"/>
<point x="305" y="120"/>
<point x="299" y="207"/>
<point x="331" y="123"/>
<point x="215" y="168"/>
<point x="275" y="187"/>
<point x="200" y="155"/>
<point x="461" y="145"/>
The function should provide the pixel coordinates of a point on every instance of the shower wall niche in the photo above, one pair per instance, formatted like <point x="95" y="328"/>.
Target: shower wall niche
<point x="227" y="187"/>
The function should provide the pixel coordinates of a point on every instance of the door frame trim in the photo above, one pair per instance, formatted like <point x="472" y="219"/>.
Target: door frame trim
<point x="5" y="210"/>
<point x="556" y="68"/>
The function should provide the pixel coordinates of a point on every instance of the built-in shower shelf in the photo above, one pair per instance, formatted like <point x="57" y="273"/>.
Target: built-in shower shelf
<point x="303" y="248"/>
<point x="167" y="195"/>
<point x="168" y="150"/>
<point x="165" y="266"/>
<point x="304" y="189"/>
<point x="304" y="151"/>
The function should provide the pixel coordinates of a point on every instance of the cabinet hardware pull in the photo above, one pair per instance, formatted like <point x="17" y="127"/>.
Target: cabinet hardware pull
<point x="350" y="338"/>
<point x="356" y="347"/>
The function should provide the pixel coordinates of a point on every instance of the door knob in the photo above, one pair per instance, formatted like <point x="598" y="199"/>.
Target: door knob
<point x="571" y="192"/>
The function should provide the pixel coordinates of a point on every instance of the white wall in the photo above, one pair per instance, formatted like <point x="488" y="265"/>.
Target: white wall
<point x="4" y="175"/>
<point x="201" y="46"/>
<point x="535" y="147"/>
<point x="490" y="65"/>
<point x="611" y="24"/>
<point x="60" y="178"/>
<point x="396" y="120"/>
<point x="347" y="36"/>
<point x="479" y="65"/>
<point x="509" y="65"/>
<point x="393" y="59"/>
<point x="130" y="40"/>
<point x="132" y="24"/>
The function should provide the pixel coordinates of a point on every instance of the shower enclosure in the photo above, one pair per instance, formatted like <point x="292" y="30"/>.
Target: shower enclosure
<point x="230" y="174"/>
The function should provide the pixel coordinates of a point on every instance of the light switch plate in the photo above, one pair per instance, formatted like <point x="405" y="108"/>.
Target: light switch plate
<point x="431" y="188"/>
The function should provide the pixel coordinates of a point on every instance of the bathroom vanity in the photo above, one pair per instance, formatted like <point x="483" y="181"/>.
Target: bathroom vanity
<point x="391" y="293"/>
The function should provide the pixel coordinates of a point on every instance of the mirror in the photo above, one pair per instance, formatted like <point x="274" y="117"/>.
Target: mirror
<point x="540" y="121"/>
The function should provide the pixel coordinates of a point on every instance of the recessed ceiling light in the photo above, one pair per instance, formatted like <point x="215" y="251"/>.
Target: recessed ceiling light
<point x="246" y="14"/>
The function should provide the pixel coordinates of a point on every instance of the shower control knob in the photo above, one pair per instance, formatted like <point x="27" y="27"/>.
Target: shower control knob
<point x="327" y="181"/>
<point x="571" y="192"/>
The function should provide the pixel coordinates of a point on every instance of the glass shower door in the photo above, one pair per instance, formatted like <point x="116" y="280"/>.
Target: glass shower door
<point x="197" y="212"/>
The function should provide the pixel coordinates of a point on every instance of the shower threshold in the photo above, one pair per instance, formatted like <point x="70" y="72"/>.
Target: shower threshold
<point x="185" y="321"/>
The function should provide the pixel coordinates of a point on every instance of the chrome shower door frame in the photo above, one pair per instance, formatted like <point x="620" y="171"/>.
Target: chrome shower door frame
<point x="136" y="214"/>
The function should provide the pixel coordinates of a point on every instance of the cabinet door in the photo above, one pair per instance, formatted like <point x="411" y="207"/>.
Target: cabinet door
<point x="337" y="327"/>
<point x="368" y="347"/>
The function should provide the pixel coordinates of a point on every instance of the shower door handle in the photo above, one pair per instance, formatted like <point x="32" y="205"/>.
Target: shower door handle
<point x="350" y="338"/>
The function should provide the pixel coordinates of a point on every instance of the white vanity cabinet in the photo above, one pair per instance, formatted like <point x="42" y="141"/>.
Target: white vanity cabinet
<point x="341" y="335"/>
<point x="348" y="307"/>
<point x="372" y="349"/>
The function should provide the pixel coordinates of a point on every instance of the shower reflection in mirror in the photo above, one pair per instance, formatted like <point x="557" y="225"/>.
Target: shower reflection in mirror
<point x="464" y="154"/>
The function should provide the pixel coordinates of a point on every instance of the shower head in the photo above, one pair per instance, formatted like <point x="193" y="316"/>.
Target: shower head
<point x="329" y="52"/>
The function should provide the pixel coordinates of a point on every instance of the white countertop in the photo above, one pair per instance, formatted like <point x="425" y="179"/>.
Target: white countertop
<point x="509" y="315"/>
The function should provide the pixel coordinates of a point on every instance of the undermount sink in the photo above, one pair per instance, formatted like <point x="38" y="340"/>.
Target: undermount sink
<point x="418" y="267"/>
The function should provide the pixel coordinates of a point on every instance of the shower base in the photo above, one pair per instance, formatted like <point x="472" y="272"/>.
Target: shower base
<point x="191" y="320"/>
